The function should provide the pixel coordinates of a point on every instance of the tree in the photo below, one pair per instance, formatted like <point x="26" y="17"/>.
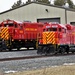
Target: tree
<point x="19" y="3"/>
<point x="28" y="1"/>
<point x="59" y="2"/>
<point x="71" y="5"/>
<point x="42" y="1"/>
<point x="74" y="6"/>
<point x="63" y="2"/>
<point x="15" y="5"/>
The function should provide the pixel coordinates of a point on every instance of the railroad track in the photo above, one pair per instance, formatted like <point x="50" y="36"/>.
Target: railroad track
<point x="32" y="57"/>
<point x="19" y="58"/>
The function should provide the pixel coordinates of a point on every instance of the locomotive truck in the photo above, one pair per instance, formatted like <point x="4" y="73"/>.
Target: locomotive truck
<point x="20" y="34"/>
<point x="57" y="38"/>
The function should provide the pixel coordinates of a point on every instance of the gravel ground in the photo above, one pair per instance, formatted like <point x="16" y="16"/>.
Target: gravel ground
<point x="30" y="64"/>
<point x="17" y="54"/>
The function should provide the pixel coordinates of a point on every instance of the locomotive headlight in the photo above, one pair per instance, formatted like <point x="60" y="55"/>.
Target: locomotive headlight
<point x="25" y="40"/>
<point x="58" y="44"/>
<point x="12" y="39"/>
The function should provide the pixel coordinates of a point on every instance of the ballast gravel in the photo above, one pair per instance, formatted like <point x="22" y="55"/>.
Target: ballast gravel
<point x="30" y="64"/>
<point x="12" y="54"/>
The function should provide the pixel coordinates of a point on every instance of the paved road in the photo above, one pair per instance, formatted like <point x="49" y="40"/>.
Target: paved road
<point x="29" y="64"/>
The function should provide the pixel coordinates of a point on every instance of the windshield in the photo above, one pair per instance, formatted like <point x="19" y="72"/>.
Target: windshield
<point x="10" y="25"/>
<point x="50" y="29"/>
<point x="54" y="29"/>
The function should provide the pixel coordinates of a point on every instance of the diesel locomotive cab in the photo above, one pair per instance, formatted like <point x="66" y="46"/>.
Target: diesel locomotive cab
<point x="51" y="38"/>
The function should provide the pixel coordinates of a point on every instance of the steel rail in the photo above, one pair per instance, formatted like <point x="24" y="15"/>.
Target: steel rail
<point x="20" y="58"/>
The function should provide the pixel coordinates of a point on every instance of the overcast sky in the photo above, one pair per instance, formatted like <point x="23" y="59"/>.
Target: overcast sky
<point x="6" y="4"/>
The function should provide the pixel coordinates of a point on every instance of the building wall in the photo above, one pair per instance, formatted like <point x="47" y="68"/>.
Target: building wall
<point x="70" y="16"/>
<point x="34" y="11"/>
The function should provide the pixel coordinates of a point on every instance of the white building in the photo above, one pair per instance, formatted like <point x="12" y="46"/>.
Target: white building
<point x="39" y="12"/>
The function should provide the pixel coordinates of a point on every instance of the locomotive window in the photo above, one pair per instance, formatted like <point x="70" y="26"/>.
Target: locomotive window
<point x="59" y="29"/>
<point x="5" y="25"/>
<point x="54" y="29"/>
<point x="49" y="29"/>
<point x="63" y="30"/>
<point x="44" y="30"/>
<point x="8" y="25"/>
<point x="21" y="27"/>
<point x="15" y="25"/>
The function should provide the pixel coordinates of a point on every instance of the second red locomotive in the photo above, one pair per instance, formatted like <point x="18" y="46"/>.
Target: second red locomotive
<point x="57" y="38"/>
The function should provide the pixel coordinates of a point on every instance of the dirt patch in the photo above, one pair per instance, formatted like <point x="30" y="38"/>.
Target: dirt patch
<point x="59" y="70"/>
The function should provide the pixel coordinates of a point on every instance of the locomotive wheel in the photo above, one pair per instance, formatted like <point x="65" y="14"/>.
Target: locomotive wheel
<point x="72" y="51"/>
<point x="39" y="50"/>
<point x="62" y="50"/>
<point x="44" y="49"/>
<point x="47" y="51"/>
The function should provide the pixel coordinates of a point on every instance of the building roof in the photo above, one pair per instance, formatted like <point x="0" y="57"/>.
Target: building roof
<point x="69" y="9"/>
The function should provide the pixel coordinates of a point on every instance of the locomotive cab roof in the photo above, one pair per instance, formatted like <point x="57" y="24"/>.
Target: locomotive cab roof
<point x="54" y="25"/>
<point x="10" y="23"/>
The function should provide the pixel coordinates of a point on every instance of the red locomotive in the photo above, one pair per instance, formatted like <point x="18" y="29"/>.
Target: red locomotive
<point x="57" y="38"/>
<point x="20" y="34"/>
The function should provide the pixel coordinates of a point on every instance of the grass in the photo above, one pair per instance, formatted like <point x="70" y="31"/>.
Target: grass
<point x="61" y="70"/>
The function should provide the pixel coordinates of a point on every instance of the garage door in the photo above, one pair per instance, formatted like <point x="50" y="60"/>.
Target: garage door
<point x="49" y="20"/>
<point x="73" y="23"/>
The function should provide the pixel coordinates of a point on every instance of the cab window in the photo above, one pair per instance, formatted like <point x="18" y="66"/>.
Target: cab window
<point x="63" y="30"/>
<point x="15" y="25"/>
<point x="49" y="29"/>
<point x="54" y="29"/>
<point x="44" y="30"/>
<point x="21" y="27"/>
<point x="59" y="29"/>
<point x="8" y="25"/>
